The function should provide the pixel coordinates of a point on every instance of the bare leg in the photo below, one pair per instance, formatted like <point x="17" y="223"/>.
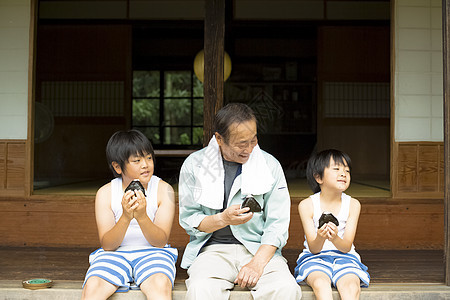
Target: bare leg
<point x="321" y="285"/>
<point x="349" y="287"/>
<point x="157" y="286"/>
<point x="97" y="288"/>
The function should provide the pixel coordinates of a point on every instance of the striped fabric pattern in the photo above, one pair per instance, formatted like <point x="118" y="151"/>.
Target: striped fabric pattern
<point x="127" y="269"/>
<point x="333" y="263"/>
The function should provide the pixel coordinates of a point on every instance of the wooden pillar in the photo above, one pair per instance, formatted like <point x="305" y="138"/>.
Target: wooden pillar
<point x="214" y="52"/>
<point x="29" y="150"/>
<point x="446" y="61"/>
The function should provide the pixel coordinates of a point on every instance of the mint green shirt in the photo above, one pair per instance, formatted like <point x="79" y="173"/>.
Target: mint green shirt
<point x="268" y="227"/>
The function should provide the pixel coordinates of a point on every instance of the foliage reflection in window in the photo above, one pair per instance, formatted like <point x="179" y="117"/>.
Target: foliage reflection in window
<point x="168" y="107"/>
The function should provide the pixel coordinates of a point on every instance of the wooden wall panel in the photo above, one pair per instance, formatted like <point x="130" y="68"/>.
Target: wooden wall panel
<point x="418" y="170"/>
<point x="63" y="221"/>
<point x="428" y="165"/>
<point x="12" y="167"/>
<point x="407" y="168"/>
<point x="401" y="225"/>
<point x="15" y="166"/>
<point x="55" y="223"/>
<point x="70" y="222"/>
<point x="2" y="165"/>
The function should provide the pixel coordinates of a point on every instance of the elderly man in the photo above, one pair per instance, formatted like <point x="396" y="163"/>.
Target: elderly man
<point x="229" y="244"/>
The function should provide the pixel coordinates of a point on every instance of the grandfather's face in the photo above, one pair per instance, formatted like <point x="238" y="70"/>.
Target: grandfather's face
<point x="242" y="140"/>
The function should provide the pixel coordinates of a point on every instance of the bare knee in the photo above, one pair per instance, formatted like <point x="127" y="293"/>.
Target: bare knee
<point x="318" y="280"/>
<point x="349" y="287"/>
<point x="354" y="288"/>
<point x="97" y="288"/>
<point x="157" y="286"/>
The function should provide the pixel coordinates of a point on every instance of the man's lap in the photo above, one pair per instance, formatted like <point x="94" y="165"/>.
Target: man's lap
<point x="225" y="261"/>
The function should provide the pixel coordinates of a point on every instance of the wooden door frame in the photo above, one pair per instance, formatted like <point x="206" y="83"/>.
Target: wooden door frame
<point x="446" y="91"/>
<point x="29" y="147"/>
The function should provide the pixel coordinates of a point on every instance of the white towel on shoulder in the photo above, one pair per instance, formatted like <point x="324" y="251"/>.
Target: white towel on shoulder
<point x="256" y="176"/>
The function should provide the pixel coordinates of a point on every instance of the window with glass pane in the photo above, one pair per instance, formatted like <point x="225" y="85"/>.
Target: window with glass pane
<point x="168" y="107"/>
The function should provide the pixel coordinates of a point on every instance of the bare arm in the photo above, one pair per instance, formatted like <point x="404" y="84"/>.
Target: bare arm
<point x="110" y="233"/>
<point x="315" y="239"/>
<point x="157" y="233"/>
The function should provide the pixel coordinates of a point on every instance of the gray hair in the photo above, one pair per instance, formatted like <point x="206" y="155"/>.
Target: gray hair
<point x="230" y="114"/>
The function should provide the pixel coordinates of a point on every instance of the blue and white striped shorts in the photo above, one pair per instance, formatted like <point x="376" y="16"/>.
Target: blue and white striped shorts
<point x="333" y="263"/>
<point x="127" y="269"/>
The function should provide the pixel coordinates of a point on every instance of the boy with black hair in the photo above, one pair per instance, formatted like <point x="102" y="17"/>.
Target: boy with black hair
<point x="329" y="219"/>
<point x="133" y="226"/>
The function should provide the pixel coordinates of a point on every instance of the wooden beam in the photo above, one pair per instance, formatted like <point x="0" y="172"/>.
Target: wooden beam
<point x="446" y="61"/>
<point x="29" y="151"/>
<point x="41" y="221"/>
<point x="214" y="52"/>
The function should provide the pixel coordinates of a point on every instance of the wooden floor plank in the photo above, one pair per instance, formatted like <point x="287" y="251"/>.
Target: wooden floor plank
<point x="385" y="266"/>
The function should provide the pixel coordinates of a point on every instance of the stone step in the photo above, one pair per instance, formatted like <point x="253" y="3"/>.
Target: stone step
<point x="68" y="290"/>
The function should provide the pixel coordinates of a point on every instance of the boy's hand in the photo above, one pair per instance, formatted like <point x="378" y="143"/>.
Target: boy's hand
<point x="323" y="231"/>
<point x="129" y="204"/>
<point x="141" y="209"/>
<point x="332" y="231"/>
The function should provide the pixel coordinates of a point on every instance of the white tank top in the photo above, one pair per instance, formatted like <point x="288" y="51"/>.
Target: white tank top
<point x="134" y="235"/>
<point x="342" y="218"/>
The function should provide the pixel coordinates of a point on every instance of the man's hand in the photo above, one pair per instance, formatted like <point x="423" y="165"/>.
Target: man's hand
<point x="234" y="215"/>
<point x="249" y="274"/>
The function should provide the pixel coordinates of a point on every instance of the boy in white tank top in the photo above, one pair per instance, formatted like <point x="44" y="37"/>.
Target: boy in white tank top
<point x="133" y="226"/>
<point x="329" y="258"/>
